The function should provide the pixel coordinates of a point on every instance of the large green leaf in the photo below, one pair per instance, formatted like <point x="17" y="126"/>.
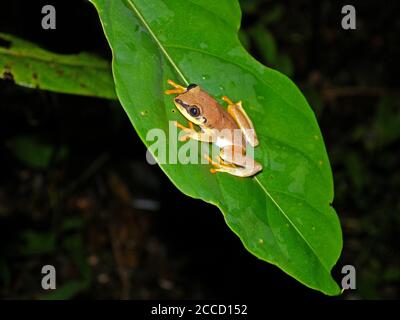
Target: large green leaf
<point x="31" y="66"/>
<point x="283" y="215"/>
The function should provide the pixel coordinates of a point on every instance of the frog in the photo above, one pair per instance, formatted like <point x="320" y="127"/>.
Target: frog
<point x="229" y="128"/>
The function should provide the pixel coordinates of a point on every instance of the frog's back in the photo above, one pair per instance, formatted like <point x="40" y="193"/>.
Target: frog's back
<point x="217" y="116"/>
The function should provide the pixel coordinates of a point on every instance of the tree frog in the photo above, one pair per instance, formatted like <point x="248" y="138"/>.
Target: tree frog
<point x="218" y="125"/>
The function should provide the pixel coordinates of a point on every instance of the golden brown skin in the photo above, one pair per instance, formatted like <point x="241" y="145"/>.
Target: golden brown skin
<point x="215" y="115"/>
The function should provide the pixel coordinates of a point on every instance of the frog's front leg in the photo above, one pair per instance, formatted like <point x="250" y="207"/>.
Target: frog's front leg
<point x="232" y="160"/>
<point x="191" y="133"/>
<point x="178" y="88"/>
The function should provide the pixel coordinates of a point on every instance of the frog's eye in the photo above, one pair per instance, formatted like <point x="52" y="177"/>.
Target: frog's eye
<point x="194" y="111"/>
<point x="191" y="86"/>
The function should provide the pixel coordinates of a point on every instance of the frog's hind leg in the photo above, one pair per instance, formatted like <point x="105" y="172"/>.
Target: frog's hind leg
<point x="240" y="166"/>
<point x="178" y="88"/>
<point x="245" y="165"/>
<point x="234" y="163"/>
<point x="242" y="119"/>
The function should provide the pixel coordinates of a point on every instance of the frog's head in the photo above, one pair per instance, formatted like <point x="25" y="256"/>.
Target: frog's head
<point x="193" y="104"/>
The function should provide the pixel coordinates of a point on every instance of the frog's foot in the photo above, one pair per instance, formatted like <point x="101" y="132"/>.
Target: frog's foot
<point x="248" y="169"/>
<point x="178" y="88"/>
<point x="219" y="166"/>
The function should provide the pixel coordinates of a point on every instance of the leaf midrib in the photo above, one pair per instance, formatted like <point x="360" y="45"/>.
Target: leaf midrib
<point x="146" y="25"/>
<point x="169" y="58"/>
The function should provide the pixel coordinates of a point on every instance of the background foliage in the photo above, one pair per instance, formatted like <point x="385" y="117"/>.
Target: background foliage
<point x="107" y="226"/>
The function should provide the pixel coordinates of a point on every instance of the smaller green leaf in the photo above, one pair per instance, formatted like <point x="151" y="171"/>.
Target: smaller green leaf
<point x="5" y="273"/>
<point x="244" y="39"/>
<point x="31" y="151"/>
<point x="274" y="15"/>
<point x="72" y="224"/>
<point x="38" y="243"/>
<point x="31" y="66"/>
<point x="285" y="65"/>
<point x="35" y="153"/>
<point x="74" y="246"/>
<point x="266" y="44"/>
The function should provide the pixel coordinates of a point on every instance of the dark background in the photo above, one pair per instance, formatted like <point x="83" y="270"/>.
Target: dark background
<point x="115" y="227"/>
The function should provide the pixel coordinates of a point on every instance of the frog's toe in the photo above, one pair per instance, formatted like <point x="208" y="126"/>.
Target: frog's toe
<point x="219" y="165"/>
<point x="227" y="100"/>
<point x="180" y="126"/>
<point x="211" y="161"/>
<point x="178" y="88"/>
<point x="185" y="137"/>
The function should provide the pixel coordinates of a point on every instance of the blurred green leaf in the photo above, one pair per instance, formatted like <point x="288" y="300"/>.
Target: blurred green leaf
<point x="250" y="6"/>
<point x="274" y="15"/>
<point x="72" y="223"/>
<point x="31" y="151"/>
<point x="5" y="274"/>
<point x="356" y="170"/>
<point x="386" y="123"/>
<point x="392" y="274"/>
<point x="36" y="243"/>
<point x="314" y="97"/>
<point x="31" y="66"/>
<point x="74" y="246"/>
<point x="244" y="39"/>
<point x="285" y="65"/>
<point x="265" y="43"/>
<point x="384" y="128"/>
